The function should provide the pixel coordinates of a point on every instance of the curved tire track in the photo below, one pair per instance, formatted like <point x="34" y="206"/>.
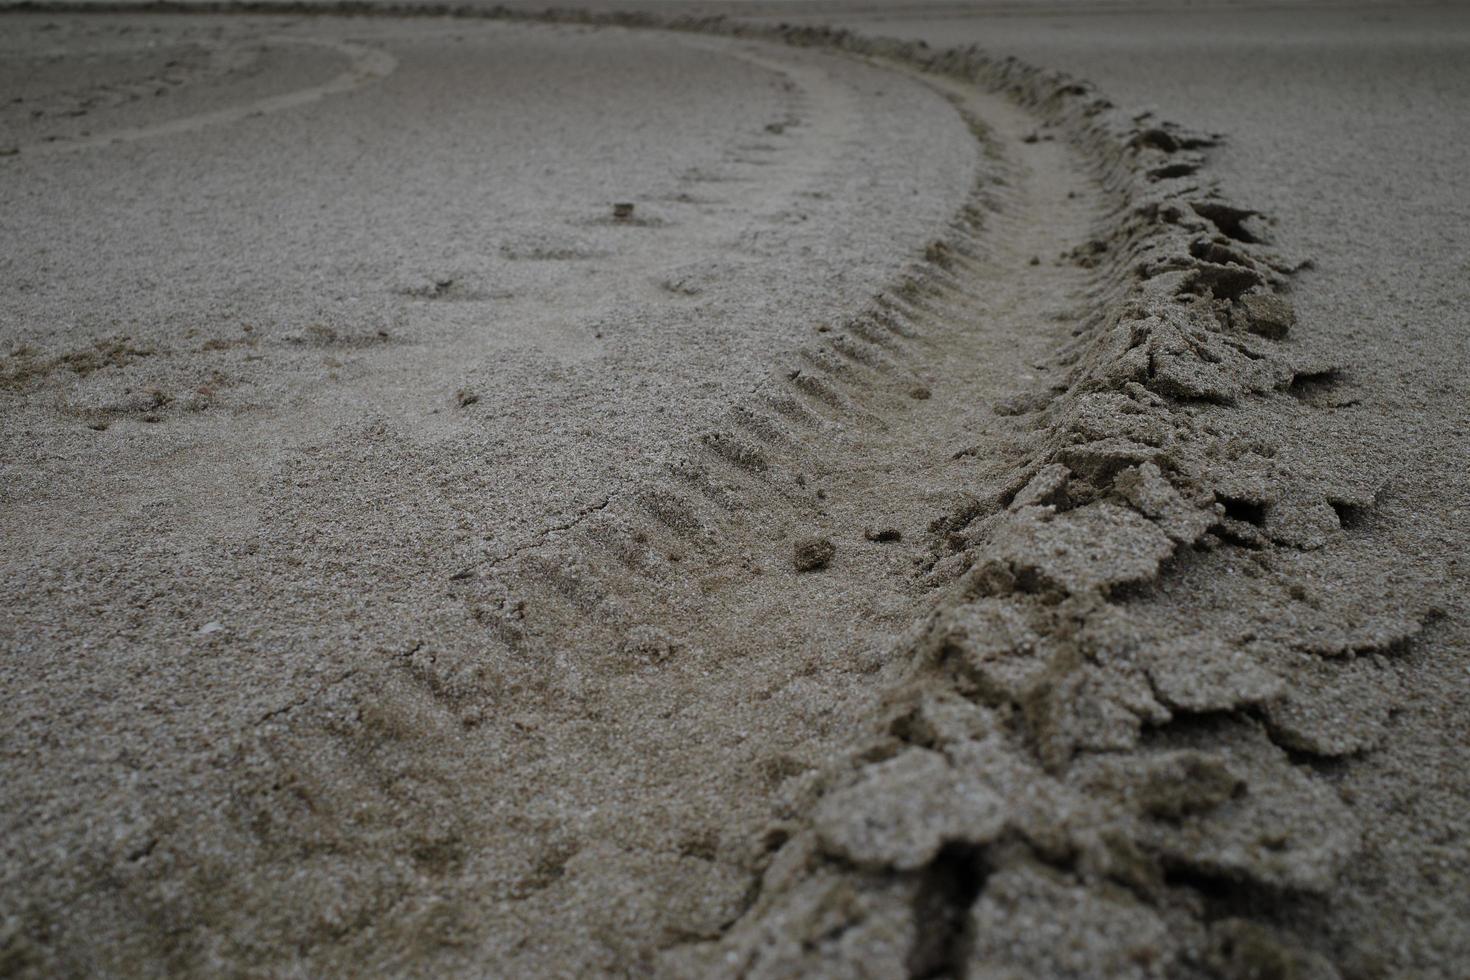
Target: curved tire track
<point x="1084" y="766"/>
<point x="366" y="65"/>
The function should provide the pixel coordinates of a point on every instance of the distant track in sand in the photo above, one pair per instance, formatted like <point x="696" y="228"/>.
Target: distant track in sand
<point x="367" y="65"/>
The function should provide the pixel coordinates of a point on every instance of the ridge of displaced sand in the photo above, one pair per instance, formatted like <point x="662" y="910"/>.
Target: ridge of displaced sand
<point x="1103" y="754"/>
<point x="1091" y="764"/>
<point x="1108" y="749"/>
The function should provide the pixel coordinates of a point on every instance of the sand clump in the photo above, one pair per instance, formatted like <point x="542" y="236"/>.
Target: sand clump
<point x="813" y="554"/>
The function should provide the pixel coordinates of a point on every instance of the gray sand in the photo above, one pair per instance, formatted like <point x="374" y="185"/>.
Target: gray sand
<point x="398" y="405"/>
<point x="932" y="535"/>
<point x="1347" y="127"/>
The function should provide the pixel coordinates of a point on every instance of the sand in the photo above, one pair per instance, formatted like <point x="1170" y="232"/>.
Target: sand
<point x="1341" y="124"/>
<point x="940" y="530"/>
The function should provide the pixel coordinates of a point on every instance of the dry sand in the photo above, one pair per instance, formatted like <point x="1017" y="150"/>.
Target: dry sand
<point x="941" y="531"/>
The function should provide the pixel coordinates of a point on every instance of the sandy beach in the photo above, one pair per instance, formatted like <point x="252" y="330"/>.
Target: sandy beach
<point x="757" y="490"/>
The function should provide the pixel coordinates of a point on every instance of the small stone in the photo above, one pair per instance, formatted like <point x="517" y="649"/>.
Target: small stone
<point x="883" y="535"/>
<point x="623" y="210"/>
<point x="465" y="398"/>
<point x="813" y="554"/>
<point x="920" y="393"/>
<point x="210" y="627"/>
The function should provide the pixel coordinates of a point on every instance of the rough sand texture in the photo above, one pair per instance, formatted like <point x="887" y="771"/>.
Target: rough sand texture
<point x="1046" y="614"/>
<point x="1344" y="126"/>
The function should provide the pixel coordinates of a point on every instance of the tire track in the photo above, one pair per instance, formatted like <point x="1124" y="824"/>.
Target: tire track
<point x="366" y="65"/>
<point x="1090" y="757"/>
<point x="1085" y="765"/>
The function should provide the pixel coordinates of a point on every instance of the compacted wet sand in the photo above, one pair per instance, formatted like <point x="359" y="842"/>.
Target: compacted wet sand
<point x="955" y="522"/>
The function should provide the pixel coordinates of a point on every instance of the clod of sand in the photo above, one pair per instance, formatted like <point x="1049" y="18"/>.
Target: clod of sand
<point x="813" y="554"/>
<point x="1267" y="314"/>
<point x="883" y="535"/>
<point x="465" y="398"/>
